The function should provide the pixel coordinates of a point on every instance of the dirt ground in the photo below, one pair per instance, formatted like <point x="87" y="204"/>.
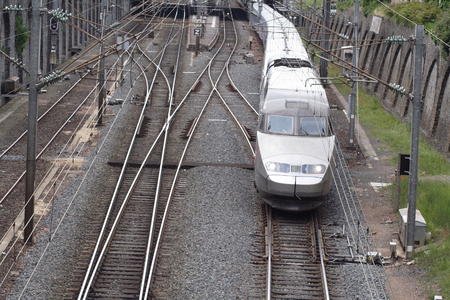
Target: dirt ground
<point x="372" y="172"/>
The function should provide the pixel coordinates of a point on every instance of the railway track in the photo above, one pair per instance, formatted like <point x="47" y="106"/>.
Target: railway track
<point x="11" y="238"/>
<point x="129" y="254"/>
<point x="97" y="282"/>
<point x="101" y="275"/>
<point x="296" y="260"/>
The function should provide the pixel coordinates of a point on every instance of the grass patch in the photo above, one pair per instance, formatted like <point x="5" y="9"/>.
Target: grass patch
<point x="433" y="198"/>
<point x="435" y="261"/>
<point x="425" y="13"/>
<point x="392" y="132"/>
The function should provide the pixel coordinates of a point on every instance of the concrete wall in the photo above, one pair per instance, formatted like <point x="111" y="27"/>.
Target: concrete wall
<point x="392" y="63"/>
<point x="69" y="39"/>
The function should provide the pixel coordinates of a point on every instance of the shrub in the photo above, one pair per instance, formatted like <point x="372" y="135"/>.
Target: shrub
<point x="443" y="30"/>
<point x="344" y="4"/>
<point x="418" y="12"/>
<point x="22" y="35"/>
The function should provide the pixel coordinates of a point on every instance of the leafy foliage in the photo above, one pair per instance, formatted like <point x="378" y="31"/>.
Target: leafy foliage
<point x="369" y="6"/>
<point x="22" y="35"/>
<point x="344" y="4"/>
<point x="443" y="30"/>
<point x="419" y="12"/>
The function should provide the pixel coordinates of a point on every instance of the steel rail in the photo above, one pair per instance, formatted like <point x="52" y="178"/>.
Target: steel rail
<point x="75" y="150"/>
<point x="240" y="93"/>
<point x="269" y="250"/>
<point x="323" y="273"/>
<point x="11" y="189"/>
<point x="172" y="189"/>
<point x="174" y="113"/>
<point x="110" y="74"/>
<point x="244" y="132"/>
<point x="39" y="155"/>
<point x="108" y="35"/>
<point x="111" y="51"/>
<point x="342" y="192"/>
<point x="48" y="144"/>
<point x="160" y="171"/>
<point x="88" y="279"/>
<point x="42" y="116"/>
<point x="350" y="230"/>
<point x="87" y="97"/>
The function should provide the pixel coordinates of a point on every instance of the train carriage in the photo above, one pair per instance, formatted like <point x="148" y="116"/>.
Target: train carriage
<point x="295" y="145"/>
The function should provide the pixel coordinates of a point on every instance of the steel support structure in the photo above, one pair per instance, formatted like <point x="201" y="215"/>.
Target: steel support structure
<point x="355" y="63"/>
<point x="32" y="122"/>
<point x="415" y="133"/>
<point x="323" y="69"/>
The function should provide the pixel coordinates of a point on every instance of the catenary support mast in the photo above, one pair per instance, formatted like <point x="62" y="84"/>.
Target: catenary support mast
<point x="415" y="131"/>
<point x="32" y="122"/>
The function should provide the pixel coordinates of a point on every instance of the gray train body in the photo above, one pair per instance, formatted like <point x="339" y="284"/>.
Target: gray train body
<point x="295" y="145"/>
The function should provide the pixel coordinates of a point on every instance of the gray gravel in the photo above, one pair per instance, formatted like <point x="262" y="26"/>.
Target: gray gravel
<point x="53" y="275"/>
<point x="211" y="236"/>
<point x="210" y="232"/>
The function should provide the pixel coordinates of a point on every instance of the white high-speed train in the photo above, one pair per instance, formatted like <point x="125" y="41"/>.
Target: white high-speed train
<point x="295" y="143"/>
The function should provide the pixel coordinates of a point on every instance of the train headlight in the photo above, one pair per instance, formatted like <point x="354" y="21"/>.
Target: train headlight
<point x="277" y="167"/>
<point x="313" y="169"/>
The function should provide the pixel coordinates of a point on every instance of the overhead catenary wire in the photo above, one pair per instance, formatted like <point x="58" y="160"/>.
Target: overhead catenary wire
<point x="90" y="47"/>
<point x="94" y="261"/>
<point x="94" y="98"/>
<point x="369" y="279"/>
<point x="93" y="120"/>
<point x="53" y="234"/>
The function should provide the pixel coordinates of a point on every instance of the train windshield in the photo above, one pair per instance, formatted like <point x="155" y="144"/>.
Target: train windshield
<point x="315" y="126"/>
<point x="280" y="124"/>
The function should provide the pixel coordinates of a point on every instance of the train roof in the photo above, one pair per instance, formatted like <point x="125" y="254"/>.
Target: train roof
<point x="310" y="106"/>
<point x="297" y="79"/>
<point x="295" y="85"/>
<point x="282" y="37"/>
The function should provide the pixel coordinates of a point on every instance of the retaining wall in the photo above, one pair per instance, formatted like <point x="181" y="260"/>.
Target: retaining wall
<point x="392" y="62"/>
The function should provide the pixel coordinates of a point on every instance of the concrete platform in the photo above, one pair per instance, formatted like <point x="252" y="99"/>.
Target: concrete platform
<point x="208" y="29"/>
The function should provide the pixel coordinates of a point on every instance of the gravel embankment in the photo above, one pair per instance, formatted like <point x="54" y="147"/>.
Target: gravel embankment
<point x="53" y="274"/>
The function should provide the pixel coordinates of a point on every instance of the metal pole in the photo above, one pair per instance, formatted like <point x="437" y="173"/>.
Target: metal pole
<point x="399" y="188"/>
<point x="53" y="42"/>
<point x="32" y="123"/>
<point x="101" y="69"/>
<point x="355" y="58"/>
<point x="415" y="130"/>
<point x="323" y="71"/>
<point x="39" y="42"/>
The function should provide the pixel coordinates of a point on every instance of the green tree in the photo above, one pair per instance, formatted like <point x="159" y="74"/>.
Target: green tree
<point x="22" y="35"/>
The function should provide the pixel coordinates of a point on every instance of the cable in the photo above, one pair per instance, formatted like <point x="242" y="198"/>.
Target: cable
<point x="94" y="98"/>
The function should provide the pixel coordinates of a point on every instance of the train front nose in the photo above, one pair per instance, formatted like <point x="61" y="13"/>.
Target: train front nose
<point x="296" y="186"/>
<point x="283" y="185"/>
<point x="307" y="186"/>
